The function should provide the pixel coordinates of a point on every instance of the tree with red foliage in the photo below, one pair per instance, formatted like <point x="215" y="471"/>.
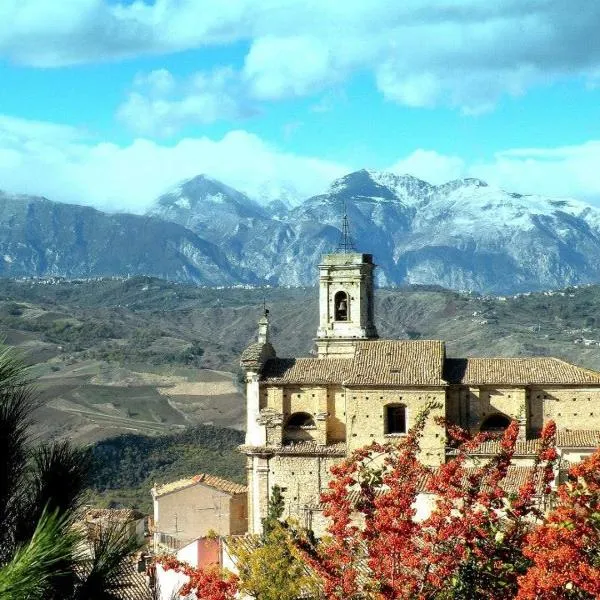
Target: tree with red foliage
<point x="478" y="542"/>
<point x="210" y="583"/>
<point x="565" y="549"/>
<point x="470" y="546"/>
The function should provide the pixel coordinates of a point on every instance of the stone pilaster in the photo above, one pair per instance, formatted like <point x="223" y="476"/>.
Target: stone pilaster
<point x="255" y="432"/>
<point x="321" y="415"/>
<point x="474" y="404"/>
<point x="522" y="415"/>
<point x="261" y="487"/>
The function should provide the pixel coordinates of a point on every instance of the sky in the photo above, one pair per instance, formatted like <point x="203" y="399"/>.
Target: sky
<point x="111" y="103"/>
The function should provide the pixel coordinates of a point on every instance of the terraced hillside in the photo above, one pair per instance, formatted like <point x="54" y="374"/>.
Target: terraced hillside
<point x="147" y="356"/>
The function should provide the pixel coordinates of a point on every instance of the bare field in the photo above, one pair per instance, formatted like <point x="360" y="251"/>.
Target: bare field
<point x="92" y="400"/>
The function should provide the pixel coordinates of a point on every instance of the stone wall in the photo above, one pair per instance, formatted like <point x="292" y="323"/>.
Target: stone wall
<point x="304" y="478"/>
<point x="365" y="421"/>
<point x="570" y="408"/>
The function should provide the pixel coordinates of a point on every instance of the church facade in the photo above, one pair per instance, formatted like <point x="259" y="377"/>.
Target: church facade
<point x="305" y="414"/>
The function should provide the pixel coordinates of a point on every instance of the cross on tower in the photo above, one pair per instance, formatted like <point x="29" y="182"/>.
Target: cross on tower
<point x="346" y="244"/>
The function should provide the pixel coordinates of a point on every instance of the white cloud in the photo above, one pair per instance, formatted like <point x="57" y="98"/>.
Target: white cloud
<point x="65" y="164"/>
<point x="160" y="105"/>
<point x="278" y="68"/>
<point x="430" y="166"/>
<point x="68" y="167"/>
<point x="563" y="171"/>
<point x="421" y="52"/>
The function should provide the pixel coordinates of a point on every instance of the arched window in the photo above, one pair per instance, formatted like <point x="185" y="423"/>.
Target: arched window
<point x="395" y="418"/>
<point x="495" y="422"/>
<point x="300" y="427"/>
<point x="300" y="420"/>
<point x="340" y="303"/>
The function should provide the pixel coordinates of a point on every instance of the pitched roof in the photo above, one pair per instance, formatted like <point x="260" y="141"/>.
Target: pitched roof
<point x="222" y="485"/>
<point x="565" y="438"/>
<point x="515" y="478"/>
<point x="578" y="438"/>
<point x="492" y="447"/>
<point x="516" y="371"/>
<point x="375" y="362"/>
<point x="121" y="515"/>
<point x="134" y="585"/>
<point x="512" y="482"/>
<point x="254" y="356"/>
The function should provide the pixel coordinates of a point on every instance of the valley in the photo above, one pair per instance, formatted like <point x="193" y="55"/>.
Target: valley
<point x="150" y="357"/>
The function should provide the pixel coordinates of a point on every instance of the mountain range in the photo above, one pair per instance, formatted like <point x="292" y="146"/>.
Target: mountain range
<point x="462" y="235"/>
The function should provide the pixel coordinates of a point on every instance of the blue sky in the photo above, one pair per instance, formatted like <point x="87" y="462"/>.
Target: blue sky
<point x="110" y="103"/>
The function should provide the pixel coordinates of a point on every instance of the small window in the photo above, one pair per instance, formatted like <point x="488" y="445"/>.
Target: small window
<point x="495" y="422"/>
<point x="395" y="418"/>
<point x="340" y="303"/>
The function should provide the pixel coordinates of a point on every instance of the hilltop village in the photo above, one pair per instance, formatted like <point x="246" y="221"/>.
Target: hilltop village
<point x="306" y="414"/>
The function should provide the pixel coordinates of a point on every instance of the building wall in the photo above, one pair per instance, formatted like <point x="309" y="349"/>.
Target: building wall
<point x="365" y="418"/>
<point x="357" y="417"/>
<point x="570" y="408"/>
<point x="195" y="511"/>
<point x="575" y="455"/>
<point x="485" y="401"/>
<point x="302" y="478"/>
<point x="238" y="514"/>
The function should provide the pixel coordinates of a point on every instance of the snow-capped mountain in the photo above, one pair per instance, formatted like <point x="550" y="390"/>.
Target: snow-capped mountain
<point x="463" y="234"/>
<point x="41" y="238"/>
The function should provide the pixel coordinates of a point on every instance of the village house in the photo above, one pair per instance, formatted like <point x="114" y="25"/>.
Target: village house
<point x="196" y="507"/>
<point x="132" y="521"/>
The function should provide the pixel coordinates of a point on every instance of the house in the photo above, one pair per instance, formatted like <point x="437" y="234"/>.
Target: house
<point x="133" y="521"/>
<point x="196" y="507"/>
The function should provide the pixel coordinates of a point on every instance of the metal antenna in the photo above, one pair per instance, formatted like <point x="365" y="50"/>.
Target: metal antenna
<point x="265" y="309"/>
<point x="346" y="245"/>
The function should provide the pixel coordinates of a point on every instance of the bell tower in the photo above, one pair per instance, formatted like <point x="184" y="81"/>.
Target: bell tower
<point x="346" y="311"/>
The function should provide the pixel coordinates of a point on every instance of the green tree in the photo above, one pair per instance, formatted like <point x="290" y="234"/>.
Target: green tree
<point x="41" y="488"/>
<point x="275" y="510"/>
<point x="269" y="568"/>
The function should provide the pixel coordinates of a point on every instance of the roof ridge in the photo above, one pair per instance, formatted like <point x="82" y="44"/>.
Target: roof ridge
<point x="565" y="362"/>
<point x="509" y="358"/>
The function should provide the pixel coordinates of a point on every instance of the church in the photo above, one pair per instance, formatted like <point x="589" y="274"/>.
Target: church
<point x="305" y="414"/>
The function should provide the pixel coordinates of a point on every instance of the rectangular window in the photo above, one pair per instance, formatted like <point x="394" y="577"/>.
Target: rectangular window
<point x="396" y="418"/>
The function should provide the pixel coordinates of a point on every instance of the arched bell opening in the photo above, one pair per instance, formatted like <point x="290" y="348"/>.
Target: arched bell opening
<point x="341" y="306"/>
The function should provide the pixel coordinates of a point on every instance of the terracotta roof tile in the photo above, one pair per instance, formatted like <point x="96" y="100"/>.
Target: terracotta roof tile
<point x="307" y="370"/>
<point x="565" y="438"/>
<point x="515" y="478"/>
<point x="578" y="438"/>
<point x="376" y="362"/>
<point x="492" y="447"/>
<point x="121" y="515"/>
<point x="517" y="371"/>
<point x="223" y="485"/>
<point x="255" y="355"/>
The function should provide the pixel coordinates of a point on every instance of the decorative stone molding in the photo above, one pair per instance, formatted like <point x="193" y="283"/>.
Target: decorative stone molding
<point x="270" y="418"/>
